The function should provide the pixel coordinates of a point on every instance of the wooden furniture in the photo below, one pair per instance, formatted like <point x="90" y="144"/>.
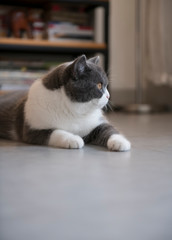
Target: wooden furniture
<point x="24" y="46"/>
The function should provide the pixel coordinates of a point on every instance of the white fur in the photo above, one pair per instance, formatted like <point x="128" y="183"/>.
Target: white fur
<point x="63" y="139"/>
<point x="46" y="109"/>
<point x="118" y="142"/>
<point x="103" y="100"/>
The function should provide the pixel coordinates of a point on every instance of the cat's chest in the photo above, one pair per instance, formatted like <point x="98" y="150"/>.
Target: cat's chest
<point x="53" y="110"/>
<point x="80" y="125"/>
<point x="59" y="119"/>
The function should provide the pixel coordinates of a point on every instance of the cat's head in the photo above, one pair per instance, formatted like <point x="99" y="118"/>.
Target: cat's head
<point x="85" y="81"/>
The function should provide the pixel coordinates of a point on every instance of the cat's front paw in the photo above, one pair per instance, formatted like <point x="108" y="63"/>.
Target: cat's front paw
<point x="118" y="142"/>
<point x="74" y="142"/>
<point x="63" y="139"/>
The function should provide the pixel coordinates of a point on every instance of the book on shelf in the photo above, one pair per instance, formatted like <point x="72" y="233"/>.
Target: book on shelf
<point x="21" y="74"/>
<point x="16" y="79"/>
<point x="73" y="14"/>
<point x="65" y="30"/>
<point x="99" y="28"/>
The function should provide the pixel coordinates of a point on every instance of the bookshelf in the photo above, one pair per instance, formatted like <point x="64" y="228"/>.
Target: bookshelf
<point x="29" y="44"/>
<point x="21" y="46"/>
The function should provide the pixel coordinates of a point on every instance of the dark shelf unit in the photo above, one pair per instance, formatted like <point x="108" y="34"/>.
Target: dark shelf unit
<point x="69" y="48"/>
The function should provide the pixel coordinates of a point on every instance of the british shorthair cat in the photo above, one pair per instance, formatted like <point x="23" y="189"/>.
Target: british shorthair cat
<point x="63" y="109"/>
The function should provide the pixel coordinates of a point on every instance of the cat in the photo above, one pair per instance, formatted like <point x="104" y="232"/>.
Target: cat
<point x="63" y="109"/>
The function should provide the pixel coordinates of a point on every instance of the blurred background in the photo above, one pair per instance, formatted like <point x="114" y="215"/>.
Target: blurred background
<point x="132" y="37"/>
<point x="91" y="193"/>
<point x="141" y="52"/>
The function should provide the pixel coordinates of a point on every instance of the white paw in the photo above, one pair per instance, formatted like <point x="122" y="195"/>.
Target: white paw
<point x="63" y="139"/>
<point x="74" y="142"/>
<point x="118" y="142"/>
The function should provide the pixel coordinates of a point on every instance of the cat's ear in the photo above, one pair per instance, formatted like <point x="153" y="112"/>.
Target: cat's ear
<point x="80" y="65"/>
<point x="94" y="59"/>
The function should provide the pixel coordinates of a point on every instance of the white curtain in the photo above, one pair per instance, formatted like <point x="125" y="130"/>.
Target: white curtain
<point x="158" y="39"/>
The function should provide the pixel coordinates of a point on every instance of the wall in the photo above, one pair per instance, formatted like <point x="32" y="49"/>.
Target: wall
<point x="122" y="51"/>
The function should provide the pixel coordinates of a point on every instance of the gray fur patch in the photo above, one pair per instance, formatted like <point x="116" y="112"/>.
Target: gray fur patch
<point x="79" y="78"/>
<point x="9" y="107"/>
<point x="35" y="136"/>
<point x="100" y="135"/>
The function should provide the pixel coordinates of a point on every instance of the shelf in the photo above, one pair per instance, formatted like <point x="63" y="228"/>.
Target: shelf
<point x="46" y="43"/>
<point x="39" y="45"/>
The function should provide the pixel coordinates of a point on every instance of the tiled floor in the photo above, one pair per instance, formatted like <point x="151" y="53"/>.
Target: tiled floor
<point x="90" y="194"/>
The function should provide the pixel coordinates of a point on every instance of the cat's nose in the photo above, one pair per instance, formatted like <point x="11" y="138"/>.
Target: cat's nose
<point x="107" y="94"/>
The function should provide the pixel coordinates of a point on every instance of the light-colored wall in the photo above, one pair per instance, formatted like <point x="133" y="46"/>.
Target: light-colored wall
<point x="122" y="51"/>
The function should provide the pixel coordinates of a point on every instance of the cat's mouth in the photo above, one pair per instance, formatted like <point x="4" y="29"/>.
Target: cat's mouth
<point x="101" y="102"/>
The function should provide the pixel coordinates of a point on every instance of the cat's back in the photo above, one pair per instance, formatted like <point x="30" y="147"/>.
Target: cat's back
<point x="9" y="99"/>
<point x="8" y="110"/>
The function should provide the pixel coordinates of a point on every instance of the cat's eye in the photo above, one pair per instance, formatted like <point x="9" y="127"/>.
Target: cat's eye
<point x="99" y="86"/>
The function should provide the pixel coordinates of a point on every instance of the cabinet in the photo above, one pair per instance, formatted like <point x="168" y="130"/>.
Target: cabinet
<point x="16" y="46"/>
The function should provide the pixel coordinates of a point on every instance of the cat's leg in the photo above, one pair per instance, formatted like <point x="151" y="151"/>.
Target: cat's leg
<point x="64" y="139"/>
<point x="106" y="135"/>
<point x="55" y="138"/>
<point x="35" y="136"/>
